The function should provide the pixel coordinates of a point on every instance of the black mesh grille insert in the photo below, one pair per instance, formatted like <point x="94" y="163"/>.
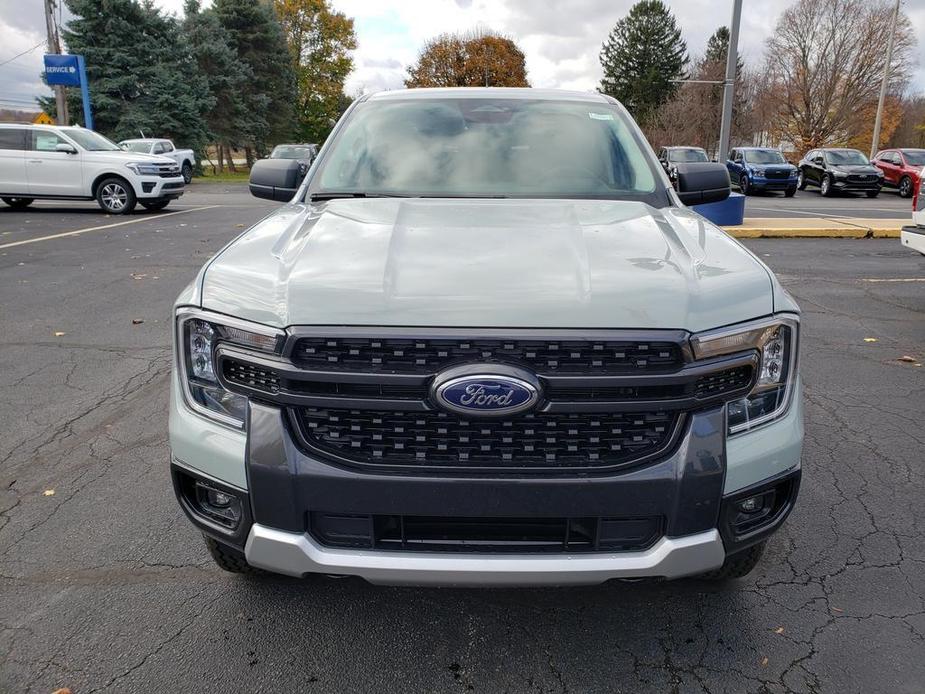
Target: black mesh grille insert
<point x="720" y="382"/>
<point x="250" y="375"/>
<point x="432" y="439"/>
<point x="395" y="355"/>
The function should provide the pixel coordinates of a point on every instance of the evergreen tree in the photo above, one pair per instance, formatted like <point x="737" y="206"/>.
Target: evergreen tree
<point x="140" y="76"/>
<point x="641" y="56"/>
<point x="267" y="97"/>
<point x="717" y="46"/>
<point x="226" y="77"/>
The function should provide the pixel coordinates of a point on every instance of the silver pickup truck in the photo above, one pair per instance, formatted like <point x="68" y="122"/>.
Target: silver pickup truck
<point x="185" y="158"/>
<point x="485" y="342"/>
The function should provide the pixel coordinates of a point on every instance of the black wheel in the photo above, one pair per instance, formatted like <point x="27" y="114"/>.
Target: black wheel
<point x="228" y="558"/>
<point x="115" y="196"/>
<point x="187" y="171"/>
<point x="154" y="205"/>
<point x="801" y="180"/>
<point x="905" y="187"/>
<point x="790" y="192"/>
<point x="737" y="565"/>
<point x="18" y="203"/>
<point x="826" y="187"/>
<point x="743" y="185"/>
<point x="872" y="193"/>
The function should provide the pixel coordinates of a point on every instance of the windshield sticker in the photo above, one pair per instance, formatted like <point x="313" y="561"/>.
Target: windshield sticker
<point x="601" y="116"/>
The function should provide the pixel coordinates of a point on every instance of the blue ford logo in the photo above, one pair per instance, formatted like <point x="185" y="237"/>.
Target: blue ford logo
<point x="486" y="394"/>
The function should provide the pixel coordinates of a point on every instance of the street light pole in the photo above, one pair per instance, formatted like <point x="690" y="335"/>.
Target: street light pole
<point x="54" y="46"/>
<point x="875" y="141"/>
<point x="732" y="60"/>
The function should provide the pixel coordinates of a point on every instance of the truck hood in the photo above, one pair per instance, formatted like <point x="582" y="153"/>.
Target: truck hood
<point x="487" y="263"/>
<point x="123" y="157"/>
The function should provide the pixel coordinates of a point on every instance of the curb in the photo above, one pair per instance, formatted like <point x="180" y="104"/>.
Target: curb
<point x="813" y="232"/>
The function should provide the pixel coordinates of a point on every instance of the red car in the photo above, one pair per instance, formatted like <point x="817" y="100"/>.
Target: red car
<point x="901" y="168"/>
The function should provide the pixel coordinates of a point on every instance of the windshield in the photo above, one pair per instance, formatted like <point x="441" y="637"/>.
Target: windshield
<point x="914" y="157"/>
<point x="91" y="141"/>
<point x="764" y="156"/>
<point x="687" y="155"/>
<point x="142" y="147"/>
<point x="485" y="147"/>
<point x="842" y="157"/>
<point x="291" y="152"/>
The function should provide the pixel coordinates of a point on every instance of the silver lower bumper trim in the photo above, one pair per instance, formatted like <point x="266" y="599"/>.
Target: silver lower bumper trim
<point x="297" y="554"/>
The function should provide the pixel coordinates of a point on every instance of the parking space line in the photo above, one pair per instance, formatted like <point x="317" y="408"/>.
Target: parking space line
<point x="897" y="279"/>
<point x="104" y="226"/>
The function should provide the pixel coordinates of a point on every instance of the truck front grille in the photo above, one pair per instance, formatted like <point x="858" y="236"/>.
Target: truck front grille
<point x="427" y="355"/>
<point x="444" y="441"/>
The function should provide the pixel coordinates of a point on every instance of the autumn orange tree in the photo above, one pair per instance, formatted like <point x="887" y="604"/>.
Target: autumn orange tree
<point x="476" y="59"/>
<point x="320" y="40"/>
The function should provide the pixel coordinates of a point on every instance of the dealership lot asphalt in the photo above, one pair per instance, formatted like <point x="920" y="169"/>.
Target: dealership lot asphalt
<point x="808" y="204"/>
<point x="105" y="587"/>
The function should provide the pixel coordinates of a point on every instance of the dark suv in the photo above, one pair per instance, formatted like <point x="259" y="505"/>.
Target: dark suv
<point x="761" y="168"/>
<point x="670" y="157"/>
<point x="840" y="170"/>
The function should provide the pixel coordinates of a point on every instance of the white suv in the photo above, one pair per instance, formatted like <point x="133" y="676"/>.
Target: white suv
<point x="70" y="163"/>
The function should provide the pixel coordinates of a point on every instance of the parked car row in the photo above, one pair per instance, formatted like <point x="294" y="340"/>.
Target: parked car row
<point x="71" y="163"/>
<point x="831" y="169"/>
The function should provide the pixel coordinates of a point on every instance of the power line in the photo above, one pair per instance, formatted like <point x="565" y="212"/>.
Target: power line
<point x="20" y="55"/>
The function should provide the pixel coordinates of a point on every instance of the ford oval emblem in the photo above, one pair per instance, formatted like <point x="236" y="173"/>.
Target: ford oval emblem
<point x="486" y="394"/>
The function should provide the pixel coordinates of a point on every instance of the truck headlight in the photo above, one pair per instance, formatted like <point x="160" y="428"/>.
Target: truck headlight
<point x="143" y="168"/>
<point x="777" y="342"/>
<point x="198" y="333"/>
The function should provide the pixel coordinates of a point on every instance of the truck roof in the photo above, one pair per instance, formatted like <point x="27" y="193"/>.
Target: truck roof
<point x="490" y="92"/>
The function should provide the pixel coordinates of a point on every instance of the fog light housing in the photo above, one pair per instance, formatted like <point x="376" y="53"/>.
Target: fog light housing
<point x="751" y="504"/>
<point x="218" y="506"/>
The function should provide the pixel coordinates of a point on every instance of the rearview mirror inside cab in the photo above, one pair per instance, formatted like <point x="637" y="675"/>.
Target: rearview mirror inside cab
<point x="275" y="179"/>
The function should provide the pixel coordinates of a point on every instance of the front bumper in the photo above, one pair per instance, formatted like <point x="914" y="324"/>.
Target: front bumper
<point x="857" y="186"/>
<point x="913" y="237"/>
<point x="692" y="489"/>
<point x="761" y="183"/>
<point x="297" y="554"/>
<point x="155" y="187"/>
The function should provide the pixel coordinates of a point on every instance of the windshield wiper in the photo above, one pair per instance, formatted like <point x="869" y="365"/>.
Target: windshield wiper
<point x="319" y="197"/>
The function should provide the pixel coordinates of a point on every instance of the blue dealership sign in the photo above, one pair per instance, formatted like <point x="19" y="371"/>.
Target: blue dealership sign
<point x="63" y="70"/>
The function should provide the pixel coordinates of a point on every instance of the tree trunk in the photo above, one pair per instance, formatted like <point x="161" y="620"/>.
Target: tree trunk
<point x="249" y="156"/>
<point x="220" y="155"/>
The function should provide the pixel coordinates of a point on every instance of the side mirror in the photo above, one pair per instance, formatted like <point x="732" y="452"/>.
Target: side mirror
<point x="702" y="182"/>
<point x="275" y="179"/>
<point x="66" y="148"/>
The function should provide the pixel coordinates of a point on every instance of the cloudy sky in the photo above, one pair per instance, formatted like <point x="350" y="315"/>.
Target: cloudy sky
<point x="561" y="38"/>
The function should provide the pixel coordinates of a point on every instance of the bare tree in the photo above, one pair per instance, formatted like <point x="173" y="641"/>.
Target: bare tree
<point x="825" y="61"/>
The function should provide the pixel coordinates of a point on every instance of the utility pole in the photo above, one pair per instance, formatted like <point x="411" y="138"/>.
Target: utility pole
<point x="875" y="142"/>
<point x="54" y="46"/>
<point x="732" y="60"/>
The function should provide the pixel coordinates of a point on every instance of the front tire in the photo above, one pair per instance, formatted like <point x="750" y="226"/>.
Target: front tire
<point x="790" y="192"/>
<point x="18" y="203"/>
<point x="115" y="196"/>
<point x="229" y="559"/>
<point x="744" y="186"/>
<point x="187" y="171"/>
<point x="872" y="193"/>
<point x="905" y="187"/>
<point x="154" y="205"/>
<point x="801" y="180"/>
<point x="826" y="187"/>
<point x="737" y="565"/>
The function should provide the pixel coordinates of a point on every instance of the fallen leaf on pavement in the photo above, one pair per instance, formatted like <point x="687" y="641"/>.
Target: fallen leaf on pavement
<point x="48" y="492"/>
<point x="63" y="690"/>
<point x="837" y="609"/>
<point x="764" y="661"/>
<point x="779" y="630"/>
<point x="137" y="321"/>
<point x="138" y="276"/>
<point x="58" y="333"/>
<point x="239" y="225"/>
<point x="870" y="339"/>
<point x="907" y="358"/>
